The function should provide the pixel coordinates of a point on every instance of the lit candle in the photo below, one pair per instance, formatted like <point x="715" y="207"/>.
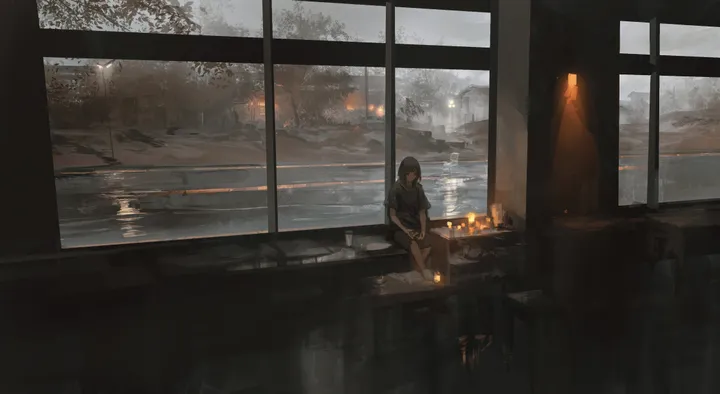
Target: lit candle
<point x="437" y="278"/>
<point x="471" y="218"/>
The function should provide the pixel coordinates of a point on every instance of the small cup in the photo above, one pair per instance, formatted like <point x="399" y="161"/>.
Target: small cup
<point x="348" y="238"/>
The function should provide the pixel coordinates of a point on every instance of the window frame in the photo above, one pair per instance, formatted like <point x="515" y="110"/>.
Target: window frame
<point x="271" y="51"/>
<point x="656" y="65"/>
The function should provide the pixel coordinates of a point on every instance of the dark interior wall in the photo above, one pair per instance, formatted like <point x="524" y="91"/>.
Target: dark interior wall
<point x="572" y="147"/>
<point x="28" y="213"/>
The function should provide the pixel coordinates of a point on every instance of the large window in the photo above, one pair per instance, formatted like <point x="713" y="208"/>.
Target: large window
<point x="330" y="145"/>
<point x="635" y="38"/>
<point x="441" y="27"/>
<point x="686" y="125"/>
<point x="689" y="138"/>
<point x="442" y="120"/>
<point x="311" y="20"/>
<point x="694" y="41"/>
<point x="156" y="150"/>
<point x="634" y="132"/>
<point x="187" y="130"/>
<point x="236" y="18"/>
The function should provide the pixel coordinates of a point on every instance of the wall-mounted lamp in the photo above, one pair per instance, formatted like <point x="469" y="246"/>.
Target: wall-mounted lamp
<point x="572" y="80"/>
<point x="571" y="92"/>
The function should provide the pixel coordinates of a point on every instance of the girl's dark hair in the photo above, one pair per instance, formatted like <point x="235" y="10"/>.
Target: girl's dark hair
<point x="408" y="165"/>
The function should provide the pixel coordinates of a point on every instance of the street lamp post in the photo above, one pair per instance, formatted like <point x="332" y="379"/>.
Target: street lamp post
<point x="102" y="68"/>
<point x="451" y="106"/>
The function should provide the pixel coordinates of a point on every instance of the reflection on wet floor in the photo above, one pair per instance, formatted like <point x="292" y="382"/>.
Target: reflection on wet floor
<point x="471" y="346"/>
<point x="309" y="339"/>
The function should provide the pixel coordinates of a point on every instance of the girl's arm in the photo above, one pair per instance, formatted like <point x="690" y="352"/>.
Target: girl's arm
<point x="423" y="223"/>
<point x="394" y="218"/>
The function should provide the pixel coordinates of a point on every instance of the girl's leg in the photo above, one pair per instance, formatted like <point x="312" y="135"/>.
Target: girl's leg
<point x="426" y="256"/>
<point x="418" y="258"/>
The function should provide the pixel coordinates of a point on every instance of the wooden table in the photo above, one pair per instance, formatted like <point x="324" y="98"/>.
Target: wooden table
<point x="449" y="247"/>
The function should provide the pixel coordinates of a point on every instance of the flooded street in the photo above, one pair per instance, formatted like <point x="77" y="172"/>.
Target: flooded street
<point x="108" y="207"/>
<point x="126" y="206"/>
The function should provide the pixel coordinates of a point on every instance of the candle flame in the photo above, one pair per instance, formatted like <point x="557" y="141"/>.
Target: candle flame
<point x="437" y="277"/>
<point x="449" y="224"/>
<point x="471" y="218"/>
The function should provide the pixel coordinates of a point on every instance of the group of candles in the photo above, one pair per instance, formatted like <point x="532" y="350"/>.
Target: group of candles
<point x="472" y="226"/>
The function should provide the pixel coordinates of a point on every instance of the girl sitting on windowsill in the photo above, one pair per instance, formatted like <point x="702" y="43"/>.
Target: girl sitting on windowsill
<point x="407" y="207"/>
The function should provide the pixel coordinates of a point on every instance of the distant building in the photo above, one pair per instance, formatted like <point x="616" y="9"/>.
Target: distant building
<point x="471" y="104"/>
<point x="640" y="103"/>
<point x="375" y="92"/>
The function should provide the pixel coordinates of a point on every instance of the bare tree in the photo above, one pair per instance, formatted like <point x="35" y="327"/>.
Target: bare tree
<point x="163" y="16"/>
<point x="310" y="89"/>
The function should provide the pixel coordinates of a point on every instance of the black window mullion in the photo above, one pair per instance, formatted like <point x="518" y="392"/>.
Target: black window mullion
<point x="492" y="107"/>
<point x="389" y="97"/>
<point x="270" y="151"/>
<point x="653" y="179"/>
<point x="144" y="46"/>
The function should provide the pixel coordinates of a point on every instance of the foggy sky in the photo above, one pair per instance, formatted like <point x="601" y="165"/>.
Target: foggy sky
<point x="367" y="23"/>
<point x="364" y="23"/>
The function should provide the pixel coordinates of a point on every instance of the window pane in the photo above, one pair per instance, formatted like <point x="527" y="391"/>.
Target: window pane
<point x="309" y="20"/>
<point x="442" y="27"/>
<point x="683" y="40"/>
<point x="148" y="151"/>
<point x="689" y="138"/>
<point x="634" y="133"/>
<point x="635" y="38"/>
<point x="330" y="124"/>
<point x="442" y="120"/>
<point x="236" y="18"/>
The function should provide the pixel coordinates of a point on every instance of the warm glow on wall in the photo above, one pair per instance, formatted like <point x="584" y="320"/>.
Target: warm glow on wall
<point x="572" y="88"/>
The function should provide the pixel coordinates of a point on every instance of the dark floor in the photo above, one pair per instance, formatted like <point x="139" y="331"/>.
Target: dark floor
<point x="237" y="338"/>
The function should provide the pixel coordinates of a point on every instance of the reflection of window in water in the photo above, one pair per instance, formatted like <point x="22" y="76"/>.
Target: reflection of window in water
<point x="449" y="189"/>
<point x="127" y="216"/>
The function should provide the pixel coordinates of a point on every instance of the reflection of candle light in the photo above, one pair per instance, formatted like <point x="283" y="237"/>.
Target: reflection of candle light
<point x="462" y="225"/>
<point x="380" y="111"/>
<point x="437" y="278"/>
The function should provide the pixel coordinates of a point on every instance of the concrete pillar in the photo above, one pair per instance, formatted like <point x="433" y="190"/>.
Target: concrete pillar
<point x="573" y="130"/>
<point x="513" y="60"/>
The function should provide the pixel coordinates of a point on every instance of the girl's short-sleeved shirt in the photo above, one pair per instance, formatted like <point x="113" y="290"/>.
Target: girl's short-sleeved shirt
<point x="407" y="203"/>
